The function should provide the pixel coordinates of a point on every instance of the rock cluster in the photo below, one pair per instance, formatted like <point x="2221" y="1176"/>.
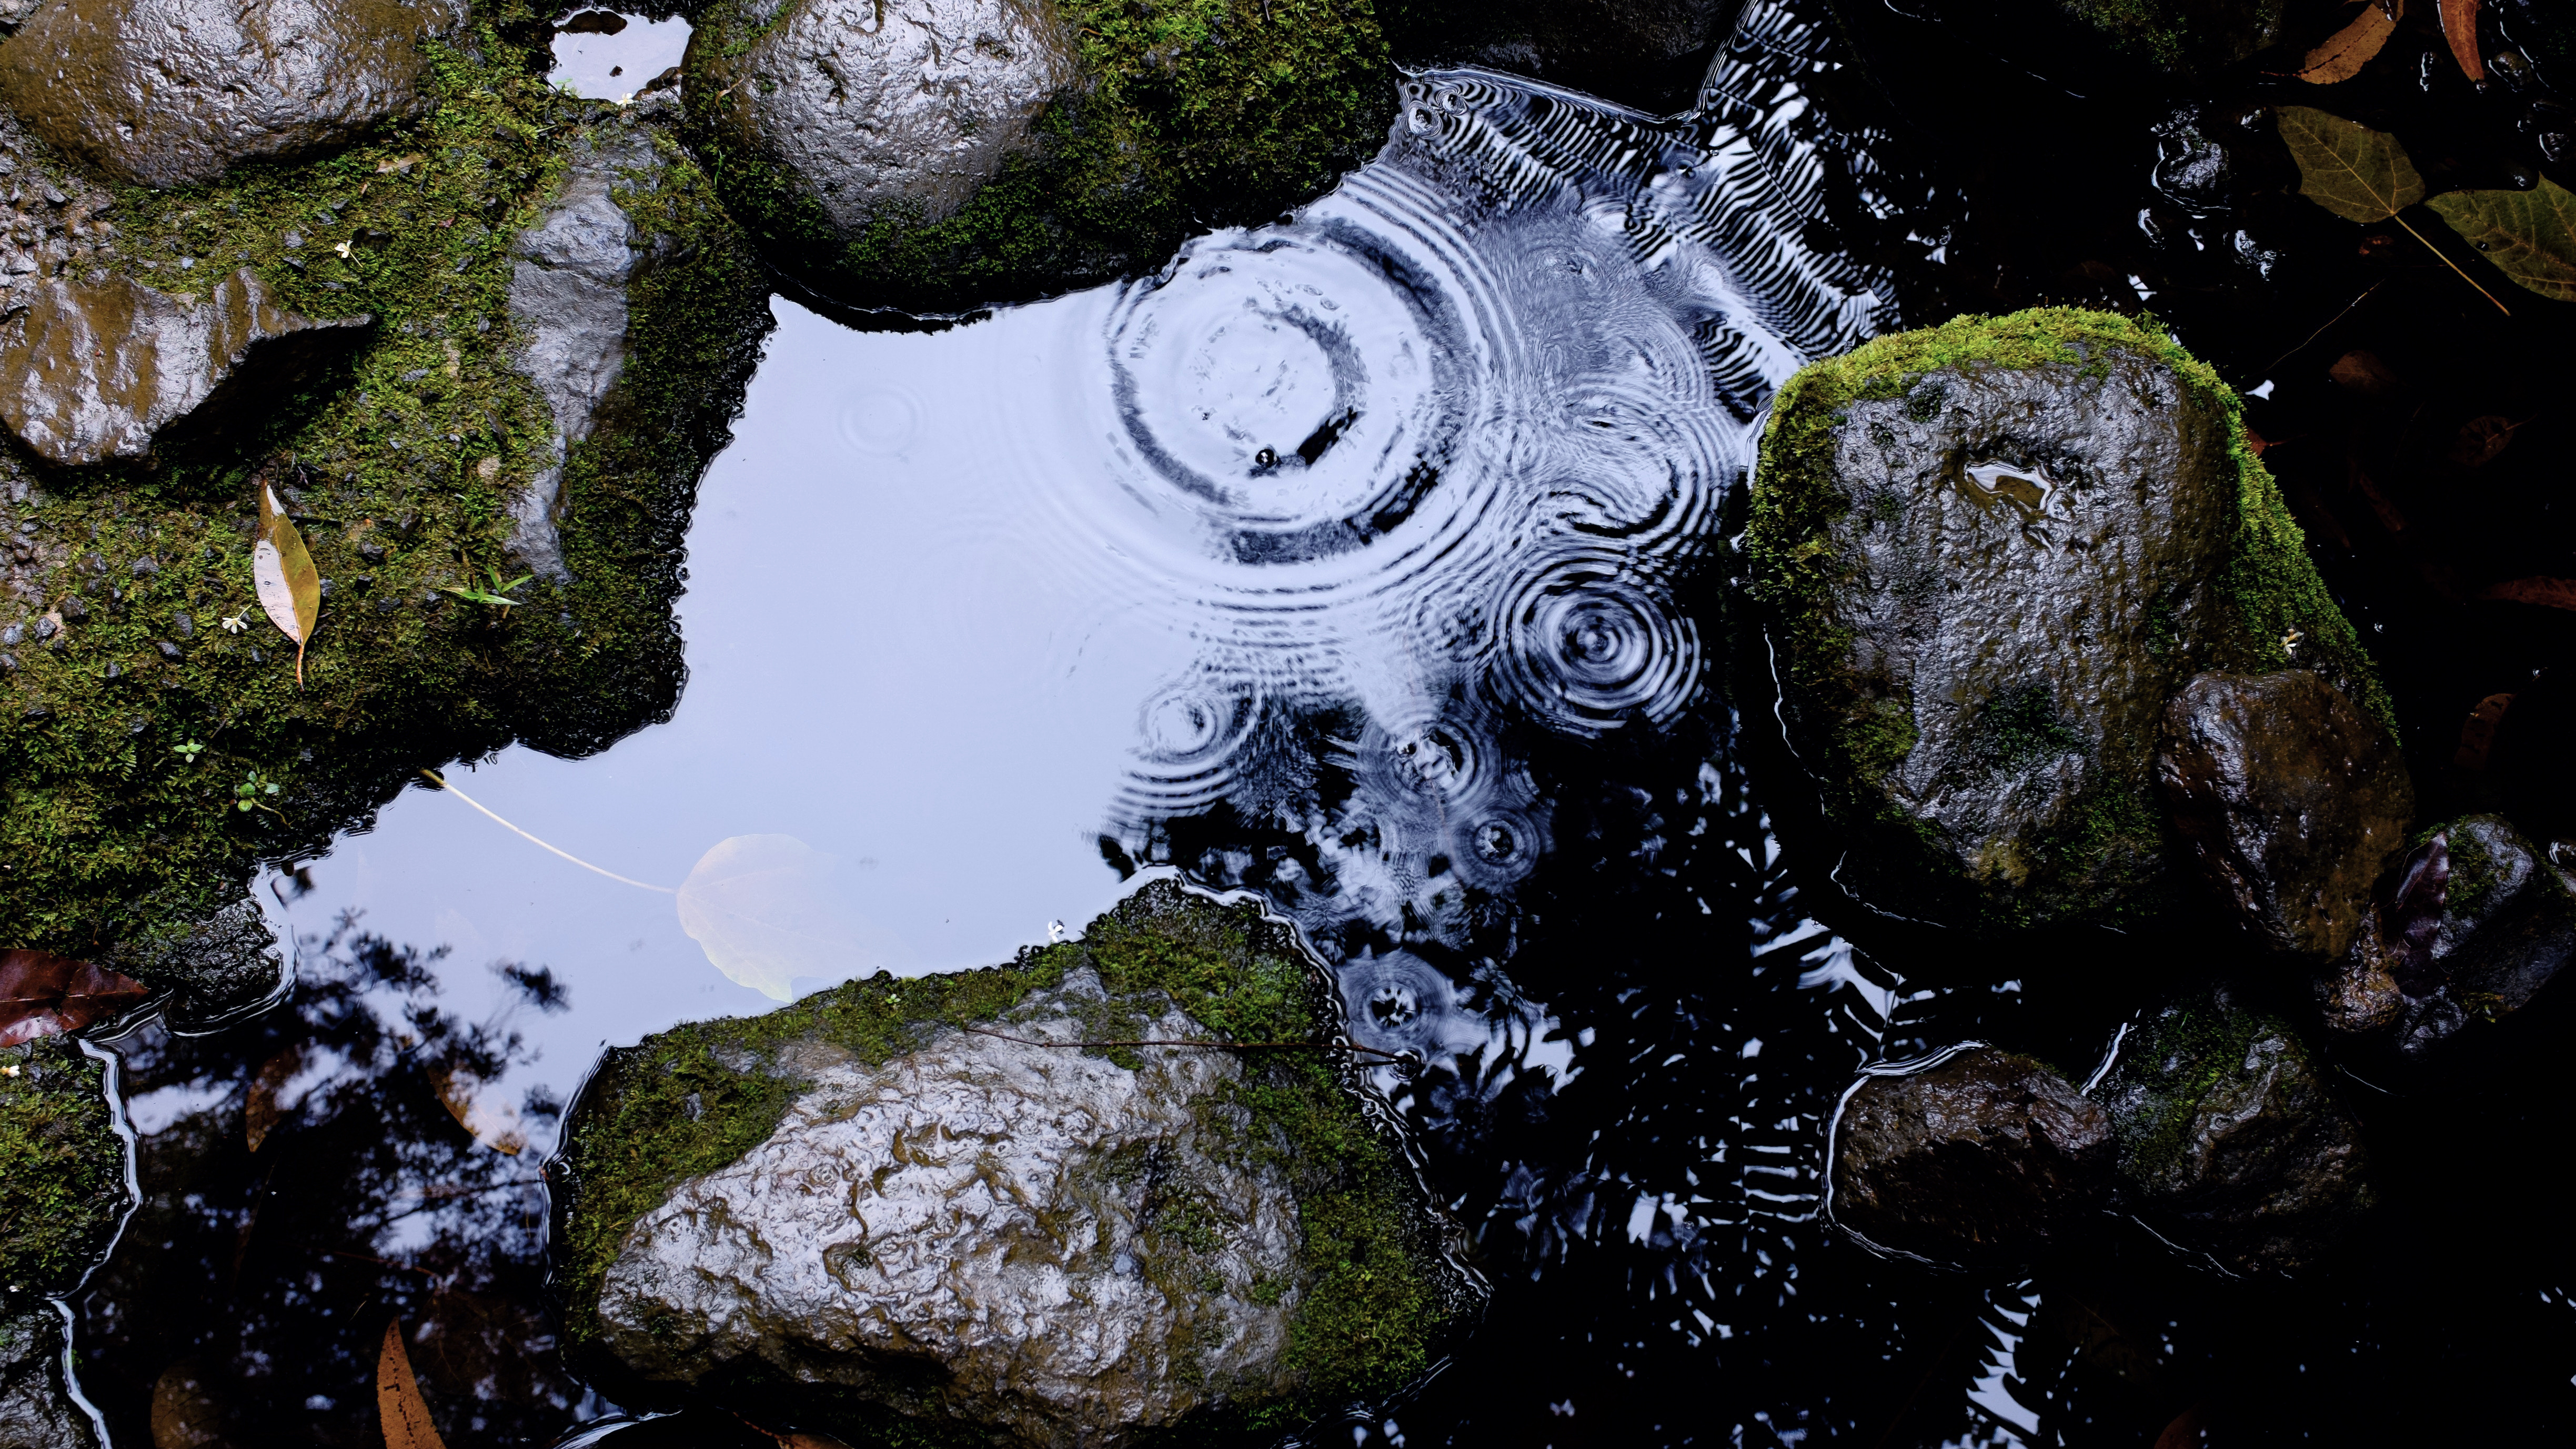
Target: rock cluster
<point x="906" y="1205"/>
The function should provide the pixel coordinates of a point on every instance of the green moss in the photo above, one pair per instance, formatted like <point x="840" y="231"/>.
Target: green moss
<point x="62" y="1168"/>
<point x="1377" y="1294"/>
<point x="2265" y="600"/>
<point x="2187" y="37"/>
<point x="1192" y="114"/>
<point x="2473" y="877"/>
<point x="2169" y="1064"/>
<point x="397" y="464"/>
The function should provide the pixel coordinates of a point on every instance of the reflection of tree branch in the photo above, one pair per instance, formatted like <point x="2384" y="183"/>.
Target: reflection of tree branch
<point x="435" y="1194"/>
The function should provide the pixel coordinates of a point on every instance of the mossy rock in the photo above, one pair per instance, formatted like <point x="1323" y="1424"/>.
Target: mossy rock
<point x="62" y="1170"/>
<point x="1170" y="120"/>
<point x="2181" y="37"/>
<point x="142" y="686"/>
<point x="1986" y="555"/>
<point x="1266" y="1255"/>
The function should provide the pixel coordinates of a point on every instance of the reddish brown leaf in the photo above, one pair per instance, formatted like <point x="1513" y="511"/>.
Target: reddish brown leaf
<point x="184" y="1415"/>
<point x="2556" y="593"/>
<point x="2477" y="735"/>
<point x="2460" y="27"/>
<point x="398" y="1400"/>
<point x="42" y="994"/>
<point x="2480" y="439"/>
<point x="2364" y="373"/>
<point x="260" y="1111"/>
<point x="2183" y="1432"/>
<point x="2349" y="49"/>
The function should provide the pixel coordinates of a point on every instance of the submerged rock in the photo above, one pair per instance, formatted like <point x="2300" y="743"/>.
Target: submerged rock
<point x="1983" y="1158"/>
<point x="173" y="92"/>
<point x="93" y="371"/>
<point x="2291" y="799"/>
<point x="1988" y="554"/>
<point x="2478" y="921"/>
<point x="957" y="154"/>
<point x="923" y="1201"/>
<point x="36" y="1406"/>
<point x="2230" y="1142"/>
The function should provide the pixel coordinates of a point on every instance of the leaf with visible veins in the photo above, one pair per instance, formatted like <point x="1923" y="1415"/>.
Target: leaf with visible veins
<point x="398" y="1401"/>
<point x="2349" y="169"/>
<point x="2529" y="235"/>
<point x="2347" y="50"/>
<point x="42" y="994"/>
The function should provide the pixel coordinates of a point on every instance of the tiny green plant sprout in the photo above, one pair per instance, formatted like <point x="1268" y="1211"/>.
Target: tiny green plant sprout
<point x="498" y="595"/>
<point x="246" y="795"/>
<point x="188" y="751"/>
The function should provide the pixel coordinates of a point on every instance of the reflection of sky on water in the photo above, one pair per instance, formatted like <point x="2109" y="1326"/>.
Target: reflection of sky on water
<point x="638" y="52"/>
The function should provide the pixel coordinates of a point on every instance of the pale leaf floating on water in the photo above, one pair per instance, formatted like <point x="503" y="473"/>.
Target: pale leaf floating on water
<point x="398" y="1400"/>
<point x="766" y="910"/>
<point x="480" y="1110"/>
<point x="290" y="590"/>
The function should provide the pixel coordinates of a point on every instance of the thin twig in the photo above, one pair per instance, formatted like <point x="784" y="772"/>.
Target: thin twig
<point x="2446" y="261"/>
<point x="1220" y="1046"/>
<point x="2320" y="332"/>
<point x="566" y="854"/>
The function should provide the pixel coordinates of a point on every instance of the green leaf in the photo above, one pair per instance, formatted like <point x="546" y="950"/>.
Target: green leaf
<point x="2349" y="169"/>
<point x="2529" y="235"/>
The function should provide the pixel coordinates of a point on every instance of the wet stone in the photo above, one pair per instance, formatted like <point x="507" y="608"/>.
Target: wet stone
<point x="2476" y="922"/>
<point x="1984" y="1158"/>
<point x="36" y="1406"/>
<point x="2230" y="1142"/>
<point x="94" y="372"/>
<point x="173" y="92"/>
<point x="2290" y="799"/>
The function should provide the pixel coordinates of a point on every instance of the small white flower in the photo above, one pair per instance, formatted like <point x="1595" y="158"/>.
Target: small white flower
<point x="342" y="248"/>
<point x="236" y="623"/>
<point x="2290" y="641"/>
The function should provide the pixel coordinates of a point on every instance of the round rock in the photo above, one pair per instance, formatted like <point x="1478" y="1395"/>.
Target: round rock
<point x="1982" y="1159"/>
<point x="172" y="92"/>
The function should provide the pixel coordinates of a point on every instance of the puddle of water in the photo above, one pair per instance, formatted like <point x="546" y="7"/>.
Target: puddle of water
<point x="611" y="56"/>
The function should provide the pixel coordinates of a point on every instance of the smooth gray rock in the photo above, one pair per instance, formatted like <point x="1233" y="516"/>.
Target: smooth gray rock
<point x="36" y="1408"/>
<point x="2478" y="921"/>
<point x="568" y="280"/>
<point x="1984" y="1158"/>
<point x="889" y="110"/>
<point x="173" y="92"/>
<point x="94" y="370"/>
<point x="2290" y="798"/>
<point x="2230" y="1142"/>
<point x="1003" y="1209"/>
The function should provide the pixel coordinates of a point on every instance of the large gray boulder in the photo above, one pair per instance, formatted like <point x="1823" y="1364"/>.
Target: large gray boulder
<point x="172" y="92"/>
<point x="2478" y="921"/>
<point x="1982" y="1158"/>
<point x="94" y="370"/>
<point x="892" y="112"/>
<point x="2291" y="799"/>
<point x="2230" y="1141"/>
<point x="1987" y="555"/>
<point x="1043" y="1204"/>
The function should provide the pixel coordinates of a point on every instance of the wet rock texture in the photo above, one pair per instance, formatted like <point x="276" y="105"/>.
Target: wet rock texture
<point x="1082" y="1253"/>
<point x="36" y="1408"/>
<point x="2290" y="798"/>
<point x="2230" y="1142"/>
<point x="568" y="280"/>
<point x="1649" y="54"/>
<point x="173" y="92"/>
<point x="95" y="370"/>
<point x="2478" y="921"/>
<point x="877" y="112"/>
<point x="1985" y="1158"/>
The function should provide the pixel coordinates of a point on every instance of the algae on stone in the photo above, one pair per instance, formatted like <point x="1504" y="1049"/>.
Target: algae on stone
<point x="1986" y="554"/>
<point x="62" y="1169"/>
<point x="1366" y="1295"/>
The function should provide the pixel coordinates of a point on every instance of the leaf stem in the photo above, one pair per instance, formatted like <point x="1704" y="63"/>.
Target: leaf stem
<point x="566" y="854"/>
<point x="2446" y="261"/>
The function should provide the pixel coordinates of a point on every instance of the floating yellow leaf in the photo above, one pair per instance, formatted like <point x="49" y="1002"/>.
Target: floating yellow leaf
<point x="398" y="1401"/>
<point x="289" y="588"/>
<point x="2349" y="49"/>
<point x="2529" y="235"/>
<point x="765" y="910"/>
<point x="480" y="1110"/>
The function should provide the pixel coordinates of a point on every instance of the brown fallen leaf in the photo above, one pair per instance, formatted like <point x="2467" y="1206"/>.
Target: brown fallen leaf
<point x="2556" y="593"/>
<point x="260" y="1112"/>
<point x="398" y="1400"/>
<point x="290" y="589"/>
<point x="2460" y="28"/>
<point x="184" y="1415"/>
<point x="42" y="994"/>
<point x="2183" y="1432"/>
<point x="2480" y="439"/>
<point x="2347" y="50"/>
<point x="2364" y="373"/>
<point x="492" y="1121"/>
<point x="2477" y="734"/>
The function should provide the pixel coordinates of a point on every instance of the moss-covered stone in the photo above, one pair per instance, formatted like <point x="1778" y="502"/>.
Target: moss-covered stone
<point x="62" y="1169"/>
<point x="2182" y="37"/>
<point x="1375" y="1288"/>
<point x="1188" y="115"/>
<point x="2050" y="615"/>
<point x="141" y="684"/>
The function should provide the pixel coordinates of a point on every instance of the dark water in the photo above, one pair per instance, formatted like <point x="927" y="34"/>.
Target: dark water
<point x="1373" y="561"/>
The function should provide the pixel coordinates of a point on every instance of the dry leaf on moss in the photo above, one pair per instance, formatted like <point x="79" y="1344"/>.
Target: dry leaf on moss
<point x="290" y="590"/>
<point x="2349" y="49"/>
<point x="2529" y="235"/>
